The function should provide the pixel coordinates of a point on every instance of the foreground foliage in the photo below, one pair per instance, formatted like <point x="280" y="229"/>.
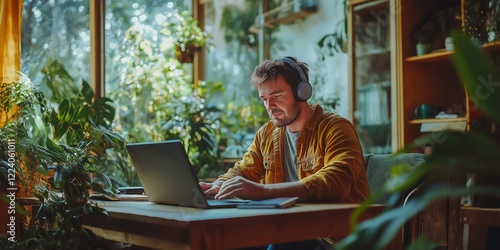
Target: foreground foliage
<point x="456" y="155"/>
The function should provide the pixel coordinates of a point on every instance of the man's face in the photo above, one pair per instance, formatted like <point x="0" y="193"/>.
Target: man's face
<point x="278" y="99"/>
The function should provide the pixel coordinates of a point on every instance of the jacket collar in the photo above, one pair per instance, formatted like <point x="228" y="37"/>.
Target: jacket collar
<point x="315" y="118"/>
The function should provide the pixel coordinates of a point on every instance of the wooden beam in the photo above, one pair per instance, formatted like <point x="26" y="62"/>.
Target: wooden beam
<point x="97" y="47"/>
<point x="199" y="57"/>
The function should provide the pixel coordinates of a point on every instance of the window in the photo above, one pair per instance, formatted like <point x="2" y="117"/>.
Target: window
<point x="55" y="34"/>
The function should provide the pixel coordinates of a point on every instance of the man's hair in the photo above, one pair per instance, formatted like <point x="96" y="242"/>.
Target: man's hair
<point x="271" y="68"/>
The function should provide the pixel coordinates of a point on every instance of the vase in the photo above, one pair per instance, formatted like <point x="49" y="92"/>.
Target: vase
<point x="493" y="21"/>
<point x="422" y="48"/>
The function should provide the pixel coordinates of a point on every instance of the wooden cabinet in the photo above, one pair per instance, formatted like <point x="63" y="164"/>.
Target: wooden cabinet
<point x="431" y="78"/>
<point x="390" y="79"/>
<point x="372" y="74"/>
<point x="425" y="79"/>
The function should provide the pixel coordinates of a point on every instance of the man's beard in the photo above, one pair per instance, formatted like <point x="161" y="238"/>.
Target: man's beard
<point x="287" y="120"/>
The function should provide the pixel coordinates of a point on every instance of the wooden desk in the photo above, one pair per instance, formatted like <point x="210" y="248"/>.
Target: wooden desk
<point x="171" y="227"/>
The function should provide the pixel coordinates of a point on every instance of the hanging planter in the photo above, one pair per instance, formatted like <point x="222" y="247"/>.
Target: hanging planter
<point x="188" y="36"/>
<point x="185" y="53"/>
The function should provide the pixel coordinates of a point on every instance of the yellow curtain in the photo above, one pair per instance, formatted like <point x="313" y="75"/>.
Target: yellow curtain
<point x="10" y="38"/>
<point x="10" y="48"/>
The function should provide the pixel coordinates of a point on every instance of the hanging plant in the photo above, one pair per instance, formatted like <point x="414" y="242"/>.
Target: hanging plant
<point x="188" y="36"/>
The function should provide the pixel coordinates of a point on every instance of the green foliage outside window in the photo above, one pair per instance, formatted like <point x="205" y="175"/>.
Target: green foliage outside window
<point x="156" y="99"/>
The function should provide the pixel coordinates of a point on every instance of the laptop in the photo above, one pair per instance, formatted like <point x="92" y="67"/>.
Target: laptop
<point x="168" y="177"/>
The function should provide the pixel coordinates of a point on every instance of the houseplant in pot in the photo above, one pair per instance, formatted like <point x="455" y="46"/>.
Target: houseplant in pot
<point x="19" y="166"/>
<point x="188" y="36"/>
<point x="79" y="135"/>
<point x="19" y="103"/>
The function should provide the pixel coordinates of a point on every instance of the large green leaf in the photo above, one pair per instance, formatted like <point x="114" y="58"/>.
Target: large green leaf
<point x="479" y="75"/>
<point x="87" y="92"/>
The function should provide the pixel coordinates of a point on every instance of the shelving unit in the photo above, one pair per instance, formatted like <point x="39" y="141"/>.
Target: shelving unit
<point x="428" y="78"/>
<point x="431" y="79"/>
<point x="413" y="80"/>
<point x="288" y="12"/>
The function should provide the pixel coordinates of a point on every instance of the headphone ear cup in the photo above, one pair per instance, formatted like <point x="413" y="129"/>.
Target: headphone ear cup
<point x="304" y="91"/>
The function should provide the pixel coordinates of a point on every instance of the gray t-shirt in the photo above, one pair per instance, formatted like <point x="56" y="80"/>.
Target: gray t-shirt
<point x="290" y="156"/>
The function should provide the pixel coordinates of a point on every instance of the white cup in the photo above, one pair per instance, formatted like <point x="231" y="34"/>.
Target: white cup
<point x="448" y="43"/>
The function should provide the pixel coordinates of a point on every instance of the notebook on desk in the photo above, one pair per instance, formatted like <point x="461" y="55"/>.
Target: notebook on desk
<point x="167" y="177"/>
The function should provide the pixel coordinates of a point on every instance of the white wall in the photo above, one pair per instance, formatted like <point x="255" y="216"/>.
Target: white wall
<point x="300" y="38"/>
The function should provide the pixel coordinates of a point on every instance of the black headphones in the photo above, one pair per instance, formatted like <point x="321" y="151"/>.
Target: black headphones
<point x="302" y="91"/>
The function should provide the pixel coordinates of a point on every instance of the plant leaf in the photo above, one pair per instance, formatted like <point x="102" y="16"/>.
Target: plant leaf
<point x="482" y="80"/>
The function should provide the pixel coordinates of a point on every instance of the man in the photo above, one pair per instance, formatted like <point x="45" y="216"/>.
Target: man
<point x="303" y="151"/>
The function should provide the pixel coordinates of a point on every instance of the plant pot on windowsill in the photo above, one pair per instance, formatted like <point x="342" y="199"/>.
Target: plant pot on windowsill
<point x="185" y="53"/>
<point x="75" y="185"/>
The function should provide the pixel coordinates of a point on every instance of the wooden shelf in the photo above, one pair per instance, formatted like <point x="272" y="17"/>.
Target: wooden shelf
<point x="288" y="12"/>
<point x="492" y="46"/>
<point x="443" y="56"/>
<point x="292" y="17"/>
<point x="437" y="120"/>
<point x="431" y="57"/>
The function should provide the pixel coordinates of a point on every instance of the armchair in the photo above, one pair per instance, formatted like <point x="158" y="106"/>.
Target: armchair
<point x="378" y="168"/>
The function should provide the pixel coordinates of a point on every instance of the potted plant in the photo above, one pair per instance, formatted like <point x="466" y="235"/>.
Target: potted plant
<point x="423" y="35"/>
<point x="79" y="135"/>
<point x="432" y="31"/>
<point x="188" y="36"/>
<point x="19" y="166"/>
<point x="19" y="102"/>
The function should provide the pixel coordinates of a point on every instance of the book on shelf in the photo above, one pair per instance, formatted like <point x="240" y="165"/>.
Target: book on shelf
<point x="443" y="126"/>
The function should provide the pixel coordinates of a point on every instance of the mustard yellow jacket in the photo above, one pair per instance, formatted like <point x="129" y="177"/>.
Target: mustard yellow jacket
<point x="329" y="157"/>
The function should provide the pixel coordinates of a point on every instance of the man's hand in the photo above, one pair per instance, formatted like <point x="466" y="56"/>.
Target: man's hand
<point x="241" y="188"/>
<point x="246" y="189"/>
<point x="211" y="189"/>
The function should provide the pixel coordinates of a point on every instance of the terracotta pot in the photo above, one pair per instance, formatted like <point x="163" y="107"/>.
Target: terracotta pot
<point x="185" y="54"/>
